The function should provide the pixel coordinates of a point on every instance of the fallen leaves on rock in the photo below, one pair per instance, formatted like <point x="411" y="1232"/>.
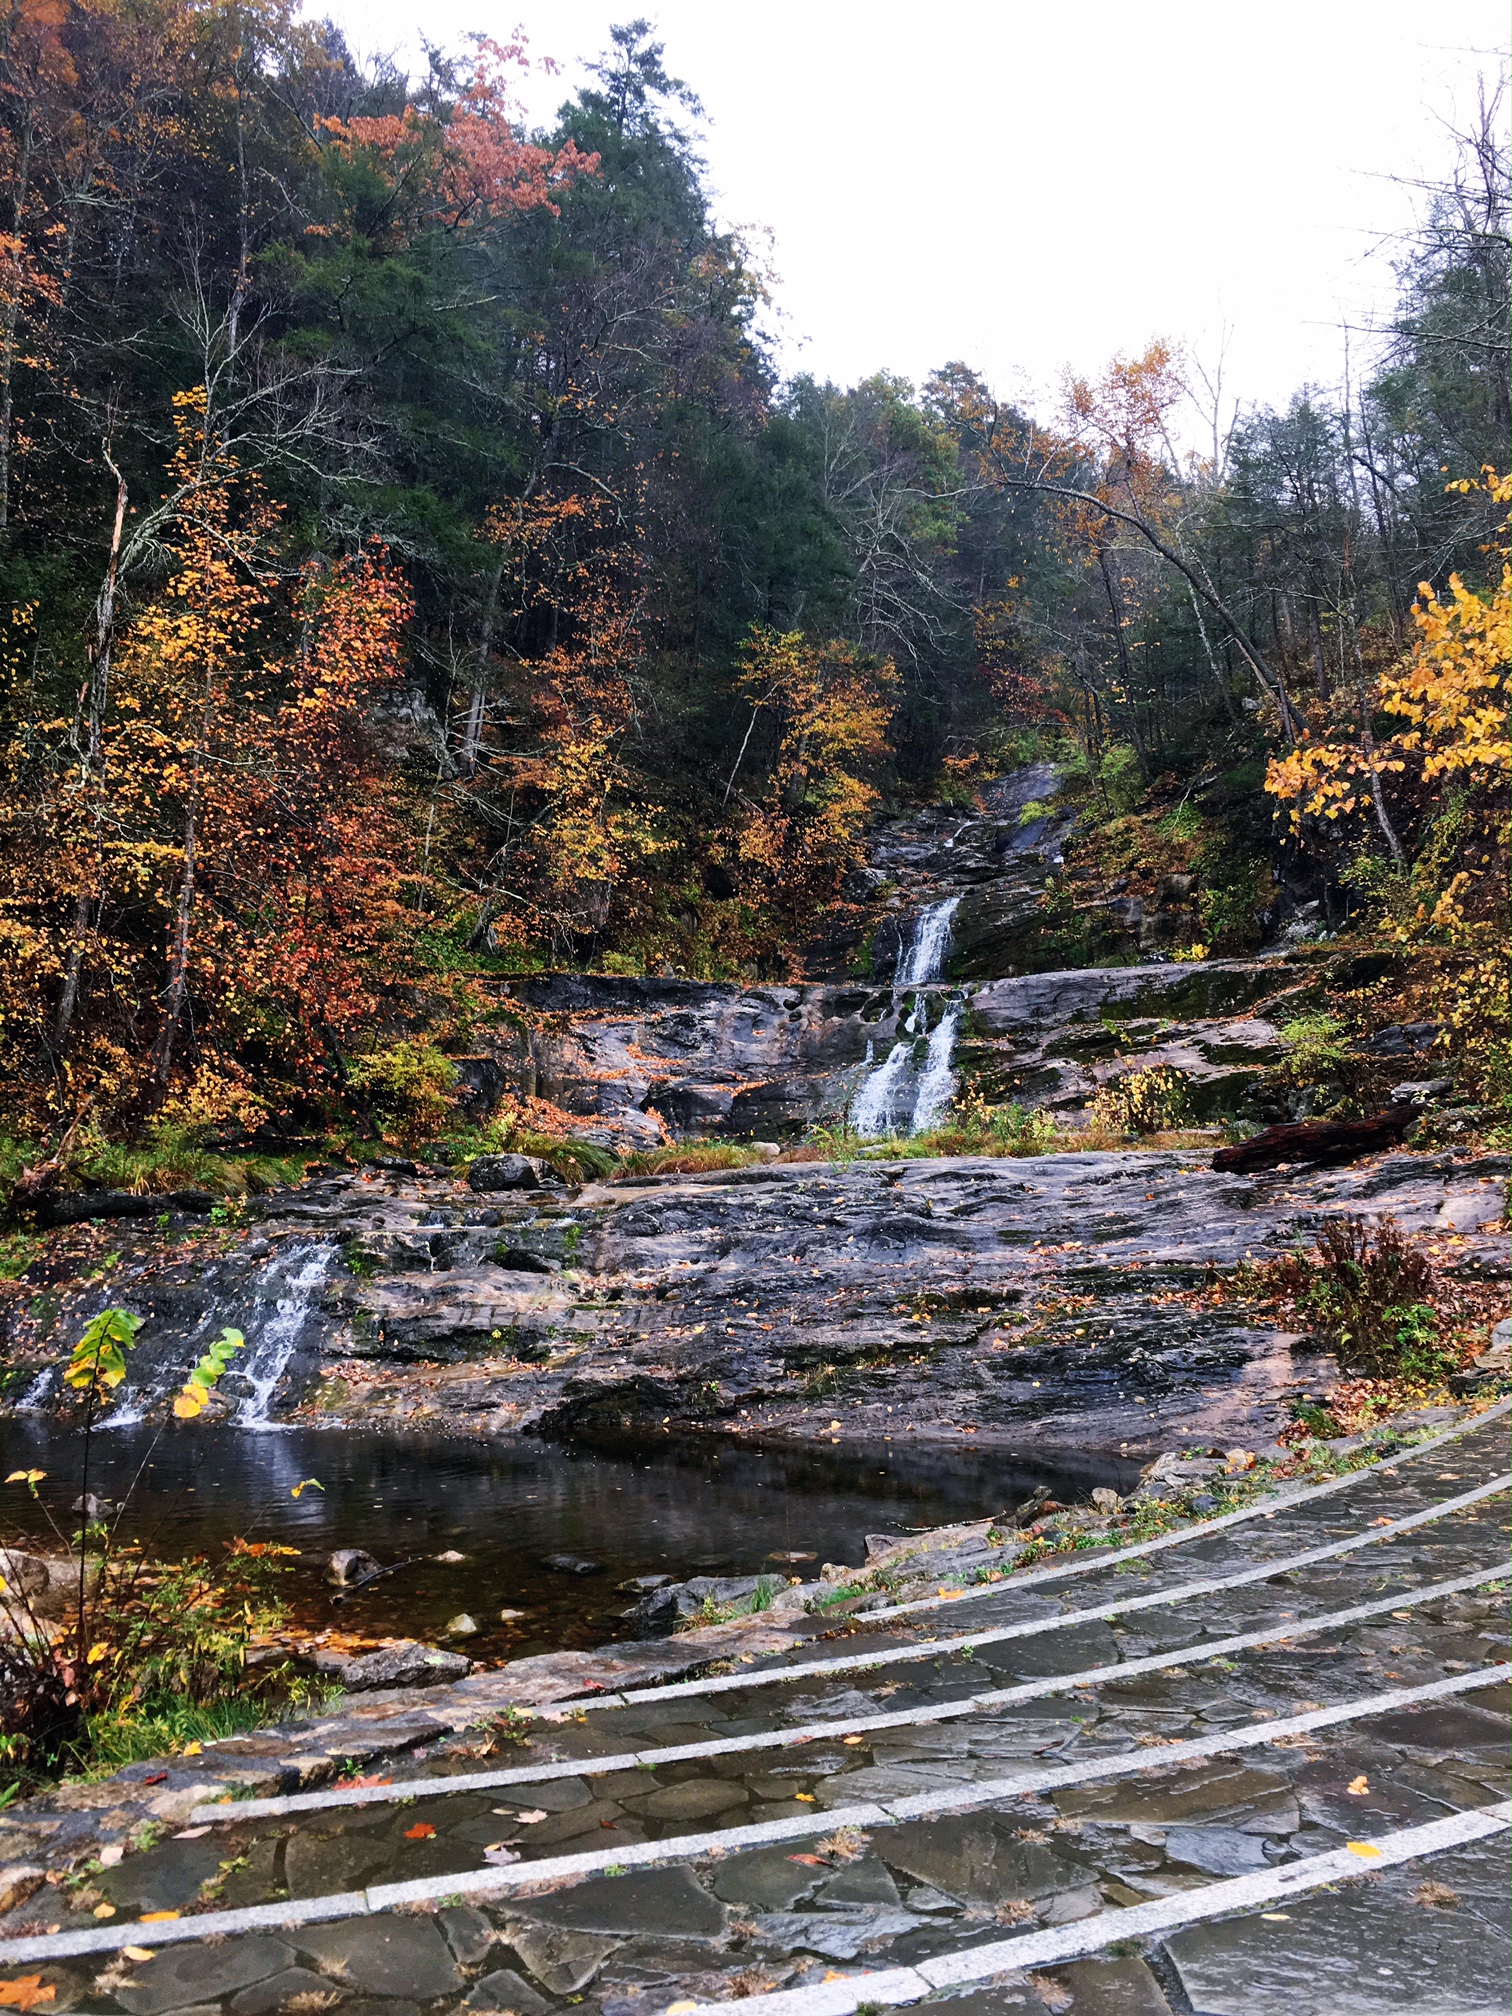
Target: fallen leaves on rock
<point x="421" y="1831"/>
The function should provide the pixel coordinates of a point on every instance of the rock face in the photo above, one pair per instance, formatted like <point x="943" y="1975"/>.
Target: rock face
<point x="1031" y="1304"/>
<point x="1026" y="1302"/>
<point x="637" y="1059"/>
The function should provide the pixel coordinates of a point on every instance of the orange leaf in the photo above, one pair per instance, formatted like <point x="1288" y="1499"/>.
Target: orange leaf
<point x="810" y="1861"/>
<point x="421" y="1831"/>
<point x="25" y="1993"/>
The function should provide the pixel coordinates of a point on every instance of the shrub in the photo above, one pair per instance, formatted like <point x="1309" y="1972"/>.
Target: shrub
<point x="1313" y="1045"/>
<point x="409" y="1086"/>
<point x="1118" y="775"/>
<point x="149" y="1651"/>
<point x="1370" y="1300"/>
<point x="689" y="1158"/>
<point x="1143" y="1102"/>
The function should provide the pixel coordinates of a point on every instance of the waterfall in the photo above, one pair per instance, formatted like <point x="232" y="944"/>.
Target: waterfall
<point x="937" y="1080"/>
<point x="35" y="1396"/>
<point x="271" y="1353"/>
<point x="896" y="1097"/>
<point x="925" y="957"/>
<point x="900" y="1094"/>
<point x="873" y="1110"/>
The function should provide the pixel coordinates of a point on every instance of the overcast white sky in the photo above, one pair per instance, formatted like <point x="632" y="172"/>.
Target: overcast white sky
<point x="1026" y="186"/>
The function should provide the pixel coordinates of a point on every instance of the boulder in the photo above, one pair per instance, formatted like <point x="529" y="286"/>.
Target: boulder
<point x="405" y="1663"/>
<point x="516" y="1260"/>
<point x="349" y="1566"/>
<point x="659" y="1613"/>
<point x="25" y="1573"/>
<point x="503" y="1172"/>
<point x="1421" y="1091"/>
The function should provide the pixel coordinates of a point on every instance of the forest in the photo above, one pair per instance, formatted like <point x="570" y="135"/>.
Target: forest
<point x="415" y="572"/>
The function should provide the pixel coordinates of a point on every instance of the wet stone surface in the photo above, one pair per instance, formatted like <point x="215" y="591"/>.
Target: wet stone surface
<point x="897" y="1891"/>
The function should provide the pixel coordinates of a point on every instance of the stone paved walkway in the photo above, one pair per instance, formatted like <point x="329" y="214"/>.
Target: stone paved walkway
<point x="1284" y="1794"/>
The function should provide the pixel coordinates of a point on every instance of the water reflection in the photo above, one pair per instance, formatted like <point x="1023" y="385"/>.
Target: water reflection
<point x="681" y="1509"/>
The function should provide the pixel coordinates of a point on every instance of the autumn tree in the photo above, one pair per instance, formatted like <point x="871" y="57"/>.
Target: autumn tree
<point x="823" y="710"/>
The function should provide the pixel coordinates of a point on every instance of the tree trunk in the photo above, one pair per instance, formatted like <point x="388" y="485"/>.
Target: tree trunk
<point x="99" y="690"/>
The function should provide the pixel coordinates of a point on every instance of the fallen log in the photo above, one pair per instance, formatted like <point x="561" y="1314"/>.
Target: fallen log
<point x="73" y="1207"/>
<point x="1326" y="1144"/>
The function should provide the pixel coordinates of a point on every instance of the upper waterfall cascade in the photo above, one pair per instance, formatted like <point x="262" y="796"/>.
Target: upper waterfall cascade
<point x="923" y="959"/>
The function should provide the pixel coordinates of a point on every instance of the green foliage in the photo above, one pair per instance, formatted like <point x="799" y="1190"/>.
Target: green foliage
<point x="409" y="1086"/>
<point x="1184" y="823"/>
<point x="195" y="1391"/>
<point x="1143" y="1102"/>
<point x="98" y="1363"/>
<point x="838" y="1143"/>
<point x="1314" y="1046"/>
<point x="17" y="1252"/>
<point x="1119" y="779"/>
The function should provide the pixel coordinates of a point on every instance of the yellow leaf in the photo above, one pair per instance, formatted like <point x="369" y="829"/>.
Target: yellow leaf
<point x="1358" y="1786"/>
<point x="806" y="1797"/>
<point x="104" y="1910"/>
<point x="96" y="1653"/>
<point x="192" y="1750"/>
<point x="156" y="1917"/>
<point x="187" y="1409"/>
<point x="1364" y="1850"/>
<point x="138" y="1953"/>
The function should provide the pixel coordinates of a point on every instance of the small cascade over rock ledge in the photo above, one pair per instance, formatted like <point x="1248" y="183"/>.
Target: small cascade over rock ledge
<point x="914" y="1083"/>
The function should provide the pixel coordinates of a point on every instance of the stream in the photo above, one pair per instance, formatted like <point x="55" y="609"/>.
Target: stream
<point x="695" y="1510"/>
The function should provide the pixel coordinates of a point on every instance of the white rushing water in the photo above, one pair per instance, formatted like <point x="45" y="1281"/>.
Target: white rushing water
<point x="900" y="1095"/>
<point x="34" y="1398"/>
<point x="275" y="1346"/>
<point x="937" y="1082"/>
<point x="923" y="959"/>
<point x="874" y="1108"/>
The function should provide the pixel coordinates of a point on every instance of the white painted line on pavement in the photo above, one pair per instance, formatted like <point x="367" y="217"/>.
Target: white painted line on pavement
<point x="727" y="1840"/>
<point x="1265" y="1508"/>
<point x="437" y="1786"/>
<point x="897" y="1985"/>
<point x="934" y="1648"/>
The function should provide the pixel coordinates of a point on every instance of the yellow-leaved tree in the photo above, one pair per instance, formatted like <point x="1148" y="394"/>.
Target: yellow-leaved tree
<point x="826" y="709"/>
<point x="1434" y="781"/>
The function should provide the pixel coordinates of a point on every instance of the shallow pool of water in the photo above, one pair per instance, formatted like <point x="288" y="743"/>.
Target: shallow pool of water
<point x="689" y="1509"/>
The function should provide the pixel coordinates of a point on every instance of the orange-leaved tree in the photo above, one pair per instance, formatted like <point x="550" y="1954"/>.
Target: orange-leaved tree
<point x="216" y="870"/>
<point x="457" y="168"/>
